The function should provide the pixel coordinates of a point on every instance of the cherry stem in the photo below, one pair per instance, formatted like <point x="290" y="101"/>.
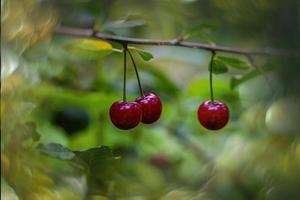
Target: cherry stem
<point x="210" y="76"/>
<point x="137" y="74"/>
<point x="124" y="73"/>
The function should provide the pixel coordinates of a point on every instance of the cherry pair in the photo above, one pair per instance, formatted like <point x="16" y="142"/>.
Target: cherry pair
<point x="146" y="108"/>
<point x="126" y="115"/>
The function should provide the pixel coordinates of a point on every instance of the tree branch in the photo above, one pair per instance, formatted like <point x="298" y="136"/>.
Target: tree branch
<point x="175" y="42"/>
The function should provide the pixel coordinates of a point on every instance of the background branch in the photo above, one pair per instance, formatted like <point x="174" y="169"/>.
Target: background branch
<point x="174" y="42"/>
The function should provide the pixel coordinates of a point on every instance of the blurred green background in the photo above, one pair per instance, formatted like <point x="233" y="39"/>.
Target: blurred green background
<point x="57" y="141"/>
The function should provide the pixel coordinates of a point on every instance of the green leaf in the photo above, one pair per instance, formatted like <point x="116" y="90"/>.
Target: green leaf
<point x="88" y="49"/>
<point x="99" y="161"/>
<point x="218" y="67"/>
<point x="145" y="55"/>
<point x="93" y="155"/>
<point x="99" y="165"/>
<point x="57" y="151"/>
<point x="234" y="62"/>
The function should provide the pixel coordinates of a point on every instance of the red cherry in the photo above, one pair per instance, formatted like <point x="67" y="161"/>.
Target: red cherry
<point x="125" y="115"/>
<point x="213" y="115"/>
<point x="151" y="106"/>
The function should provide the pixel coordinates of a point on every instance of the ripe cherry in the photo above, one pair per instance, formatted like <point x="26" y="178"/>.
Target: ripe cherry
<point x="213" y="115"/>
<point x="151" y="106"/>
<point x="125" y="115"/>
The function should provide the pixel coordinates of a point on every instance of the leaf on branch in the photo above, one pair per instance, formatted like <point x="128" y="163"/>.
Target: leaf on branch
<point x="145" y="55"/>
<point x="95" y="154"/>
<point x="57" y="151"/>
<point x="99" y="161"/>
<point x="218" y="67"/>
<point x="88" y="48"/>
<point x="234" y="62"/>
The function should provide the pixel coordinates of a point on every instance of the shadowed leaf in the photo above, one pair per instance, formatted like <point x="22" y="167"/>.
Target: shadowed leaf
<point x="218" y="67"/>
<point x="145" y="55"/>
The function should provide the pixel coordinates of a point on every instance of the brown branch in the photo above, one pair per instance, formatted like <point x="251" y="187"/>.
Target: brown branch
<point x="175" y="42"/>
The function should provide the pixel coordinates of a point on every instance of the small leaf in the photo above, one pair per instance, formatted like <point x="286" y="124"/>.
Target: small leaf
<point x="57" y="151"/>
<point x="145" y="55"/>
<point x="234" y="62"/>
<point x="218" y="67"/>
<point x="89" y="49"/>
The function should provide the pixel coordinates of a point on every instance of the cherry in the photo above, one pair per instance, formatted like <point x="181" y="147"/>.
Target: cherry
<point x="213" y="115"/>
<point x="151" y="106"/>
<point x="125" y="115"/>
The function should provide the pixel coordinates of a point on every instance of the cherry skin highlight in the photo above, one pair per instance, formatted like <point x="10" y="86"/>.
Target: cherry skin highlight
<point x="151" y="106"/>
<point x="213" y="115"/>
<point x="125" y="115"/>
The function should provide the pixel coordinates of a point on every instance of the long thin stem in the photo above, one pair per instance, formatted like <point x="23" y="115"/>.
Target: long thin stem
<point x="175" y="42"/>
<point x="210" y="76"/>
<point x="137" y="74"/>
<point x="124" y="73"/>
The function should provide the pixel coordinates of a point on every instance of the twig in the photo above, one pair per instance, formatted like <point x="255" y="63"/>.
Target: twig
<point x="174" y="42"/>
